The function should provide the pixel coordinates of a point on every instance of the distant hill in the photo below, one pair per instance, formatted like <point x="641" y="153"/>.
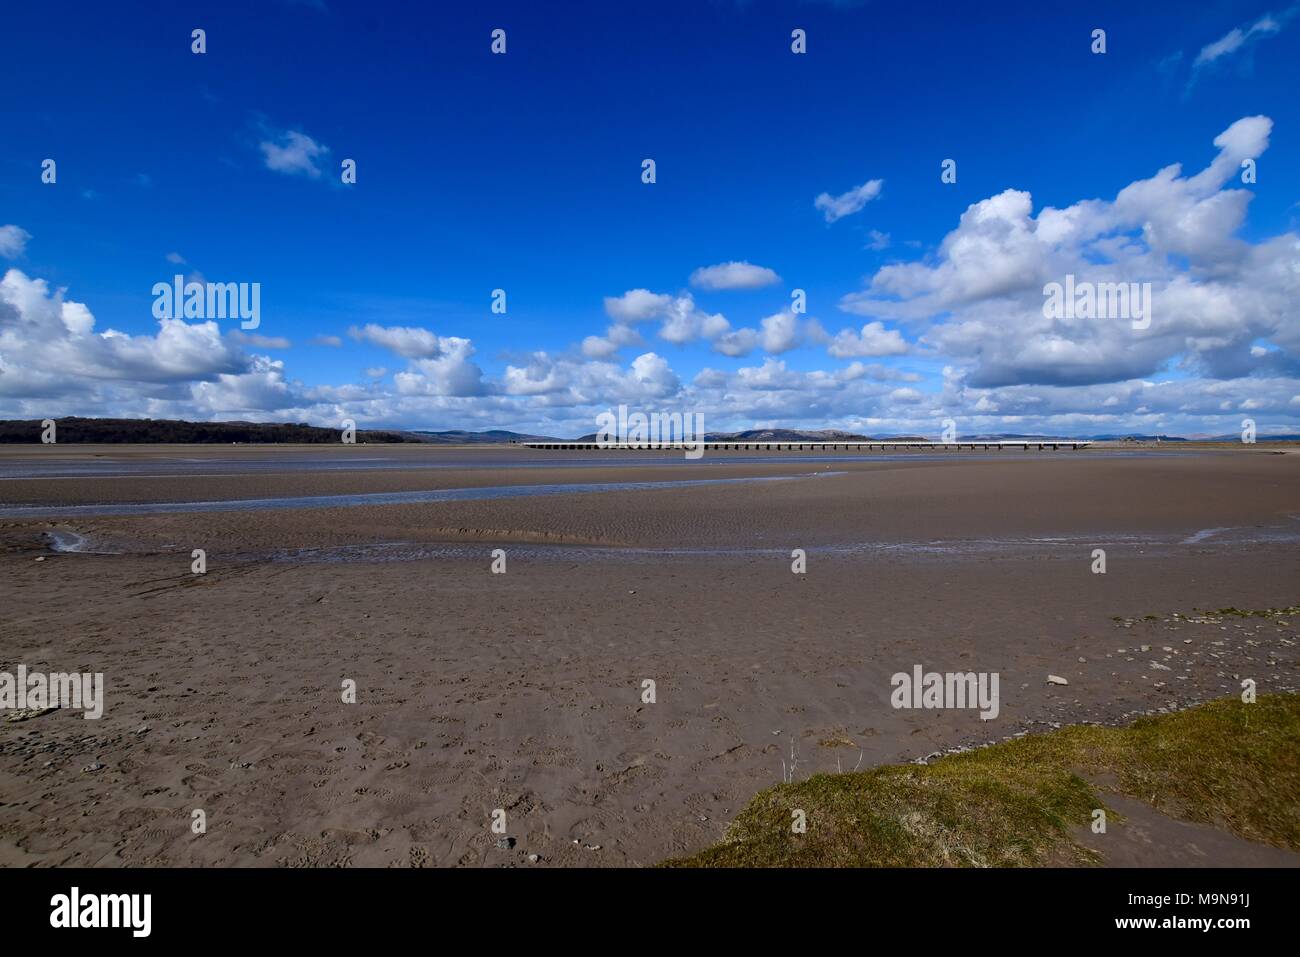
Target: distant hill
<point x="73" y="430"/>
<point x="1037" y="437"/>
<point x="491" y="436"/>
<point x="1136" y="437"/>
<point x="787" y="435"/>
<point x="774" y="435"/>
<point x="1260" y="437"/>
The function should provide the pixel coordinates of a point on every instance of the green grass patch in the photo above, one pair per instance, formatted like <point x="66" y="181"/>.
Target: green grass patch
<point x="1224" y="763"/>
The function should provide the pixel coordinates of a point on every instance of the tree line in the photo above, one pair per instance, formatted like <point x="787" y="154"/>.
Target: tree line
<point x="74" y="429"/>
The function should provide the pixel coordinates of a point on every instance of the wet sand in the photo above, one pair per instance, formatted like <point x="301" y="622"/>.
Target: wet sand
<point x="523" y="691"/>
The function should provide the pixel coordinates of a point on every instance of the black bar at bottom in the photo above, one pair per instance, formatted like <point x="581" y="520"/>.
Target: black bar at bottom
<point x="606" y="909"/>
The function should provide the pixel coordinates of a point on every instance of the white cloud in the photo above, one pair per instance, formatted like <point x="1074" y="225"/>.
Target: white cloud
<point x="684" y="322"/>
<point x="447" y="373"/>
<point x="776" y="334"/>
<point x="559" y="382"/>
<point x="598" y="347"/>
<point x="980" y="301"/>
<point x="294" y="153"/>
<point x="1237" y="38"/>
<point x="542" y="376"/>
<point x="439" y="365"/>
<point x="733" y="275"/>
<point x="873" y="340"/>
<point x="771" y="376"/>
<point x="636" y="305"/>
<point x="51" y="357"/>
<point x="410" y="342"/>
<point x="846" y="204"/>
<point x="616" y="337"/>
<point x="780" y="333"/>
<point x="262" y="387"/>
<point x="652" y="377"/>
<point x="259" y="341"/>
<point x="13" y="241"/>
<point x="737" y="343"/>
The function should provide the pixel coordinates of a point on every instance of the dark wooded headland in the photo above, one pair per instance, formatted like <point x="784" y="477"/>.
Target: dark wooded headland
<point x="73" y="429"/>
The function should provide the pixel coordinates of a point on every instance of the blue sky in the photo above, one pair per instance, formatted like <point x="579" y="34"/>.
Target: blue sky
<point x="523" y="172"/>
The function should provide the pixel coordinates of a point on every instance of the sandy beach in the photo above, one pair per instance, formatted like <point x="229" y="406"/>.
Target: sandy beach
<point x="523" y="691"/>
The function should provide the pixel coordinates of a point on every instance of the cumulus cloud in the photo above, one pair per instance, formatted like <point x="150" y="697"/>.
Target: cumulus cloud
<point x="598" y="347"/>
<point x="684" y="322"/>
<point x="652" y="377"/>
<point x="775" y="334"/>
<point x="780" y="333"/>
<point x="55" y="337"/>
<point x="616" y="337"/>
<point x="542" y="376"/>
<point x="737" y="343"/>
<point x="681" y="321"/>
<point x="733" y="275"/>
<point x="846" y="204"/>
<point x="448" y="372"/>
<point x="636" y="305"/>
<point x="52" y="358"/>
<point x="562" y="382"/>
<point x="980" y="300"/>
<point x="873" y="340"/>
<point x="13" y="241"/>
<point x="259" y="388"/>
<point x="439" y="365"/>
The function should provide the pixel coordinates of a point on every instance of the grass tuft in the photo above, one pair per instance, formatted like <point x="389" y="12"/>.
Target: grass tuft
<point x="1014" y="804"/>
